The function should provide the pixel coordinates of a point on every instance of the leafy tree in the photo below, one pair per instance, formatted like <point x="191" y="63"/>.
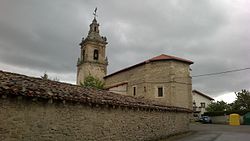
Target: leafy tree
<point x="218" y="106"/>
<point x="241" y="105"/>
<point x="242" y="101"/>
<point x="92" y="82"/>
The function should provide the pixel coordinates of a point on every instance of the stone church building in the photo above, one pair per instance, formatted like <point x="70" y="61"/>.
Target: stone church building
<point x="163" y="78"/>
<point x="41" y="109"/>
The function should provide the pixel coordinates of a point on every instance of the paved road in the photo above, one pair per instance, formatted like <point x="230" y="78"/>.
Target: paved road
<point x="213" y="132"/>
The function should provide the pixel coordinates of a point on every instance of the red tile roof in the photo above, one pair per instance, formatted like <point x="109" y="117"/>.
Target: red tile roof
<point x="168" y="57"/>
<point x="12" y="84"/>
<point x="162" y="57"/>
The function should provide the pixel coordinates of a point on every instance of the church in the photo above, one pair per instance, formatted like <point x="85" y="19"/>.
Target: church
<point x="150" y="100"/>
<point x="163" y="78"/>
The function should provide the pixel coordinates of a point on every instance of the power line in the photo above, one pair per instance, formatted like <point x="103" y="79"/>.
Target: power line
<point x="223" y="72"/>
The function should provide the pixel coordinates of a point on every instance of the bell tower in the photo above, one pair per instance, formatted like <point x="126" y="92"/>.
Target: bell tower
<point x="93" y="60"/>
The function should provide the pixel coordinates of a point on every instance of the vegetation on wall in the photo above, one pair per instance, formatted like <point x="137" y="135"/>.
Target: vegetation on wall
<point x="240" y="106"/>
<point x="92" y="82"/>
<point x="46" y="77"/>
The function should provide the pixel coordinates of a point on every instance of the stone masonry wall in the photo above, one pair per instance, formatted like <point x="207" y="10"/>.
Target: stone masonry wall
<point x="174" y="76"/>
<point x="94" y="69"/>
<point x="89" y="66"/>
<point x="27" y="119"/>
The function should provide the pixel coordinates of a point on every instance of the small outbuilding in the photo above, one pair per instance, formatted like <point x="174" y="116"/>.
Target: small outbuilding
<point x="234" y="119"/>
<point x="246" y="118"/>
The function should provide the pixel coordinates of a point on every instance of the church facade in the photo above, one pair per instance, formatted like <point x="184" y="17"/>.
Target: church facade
<point x="163" y="78"/>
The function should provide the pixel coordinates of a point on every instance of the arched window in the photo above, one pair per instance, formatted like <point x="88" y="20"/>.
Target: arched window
<point x="96" y="54"/>
<point x="95" y="28"/>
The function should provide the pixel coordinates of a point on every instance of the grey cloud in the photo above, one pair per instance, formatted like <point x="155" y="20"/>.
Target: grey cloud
<point x="44" y="36"/>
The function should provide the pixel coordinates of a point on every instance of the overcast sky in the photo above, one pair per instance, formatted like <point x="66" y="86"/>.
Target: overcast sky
<point x="38" y="36"/>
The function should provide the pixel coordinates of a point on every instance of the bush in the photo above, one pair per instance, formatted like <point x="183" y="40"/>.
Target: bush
<point x="92" y="82"/>
<point x="222" y="113"/>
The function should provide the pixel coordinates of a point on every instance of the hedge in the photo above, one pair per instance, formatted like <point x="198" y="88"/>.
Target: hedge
<point x="222" y="113"/>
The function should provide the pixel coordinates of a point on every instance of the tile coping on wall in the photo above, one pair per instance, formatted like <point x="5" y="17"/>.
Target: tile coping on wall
<point x="12" y="84"/>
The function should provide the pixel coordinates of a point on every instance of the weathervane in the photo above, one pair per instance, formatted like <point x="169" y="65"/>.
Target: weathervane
<point x="95" y="15"/>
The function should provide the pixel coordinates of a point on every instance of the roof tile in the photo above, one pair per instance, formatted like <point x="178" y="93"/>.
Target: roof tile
<point x="17" y="84"/>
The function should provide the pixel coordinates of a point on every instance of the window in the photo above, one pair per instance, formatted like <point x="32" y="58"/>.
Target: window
<point x="203" y="105"/>
<point x="83" y="54"/>
<point x="194" y="104"/>
<point x="134" y="90"/>
<point x="95" y="28"/>
<point x="96" y="55"/>
<point x="160" y="91"/>
<point x="145" y="90"/>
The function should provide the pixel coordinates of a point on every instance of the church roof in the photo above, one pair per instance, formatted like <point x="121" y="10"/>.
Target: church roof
<point x="12" y="84"/>
<point x="162" y="57"/>
<point x="168" y="57"/>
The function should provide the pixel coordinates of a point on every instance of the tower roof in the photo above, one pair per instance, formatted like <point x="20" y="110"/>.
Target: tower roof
<point x="93" y="34"/>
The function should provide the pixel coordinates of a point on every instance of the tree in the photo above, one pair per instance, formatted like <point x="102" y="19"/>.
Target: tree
<point x="241" y="105"/>
<point x="92" y="82"/>
<point x="242" y="101"/>
<point x="56" y="79"/>
<point x="46" y="77"/>
<point x="218" y="106"/>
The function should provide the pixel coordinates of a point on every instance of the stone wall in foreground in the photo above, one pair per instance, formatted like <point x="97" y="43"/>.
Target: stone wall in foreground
<point x="24" y="118"/>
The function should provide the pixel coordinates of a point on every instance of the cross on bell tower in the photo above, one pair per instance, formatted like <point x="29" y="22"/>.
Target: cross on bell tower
<point x="93" y="60"/>
<point x="95" y="14"/>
